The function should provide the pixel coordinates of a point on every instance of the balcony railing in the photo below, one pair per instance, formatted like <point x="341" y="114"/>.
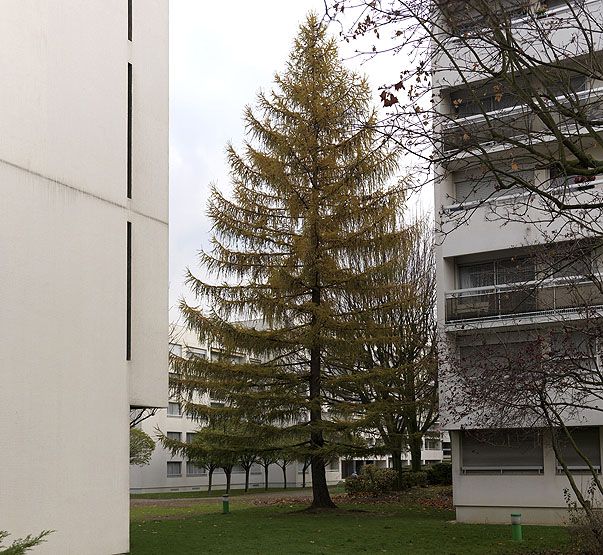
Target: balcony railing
<point x="517" y="121"/>
<point x="555" y="295"/>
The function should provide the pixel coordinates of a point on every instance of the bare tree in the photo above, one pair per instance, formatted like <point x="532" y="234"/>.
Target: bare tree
<point x="497" y="99"/>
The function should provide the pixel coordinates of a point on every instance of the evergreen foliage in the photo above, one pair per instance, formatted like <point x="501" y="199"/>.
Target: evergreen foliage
<point x="22" y="545"/>
<point x="312" y="219"/>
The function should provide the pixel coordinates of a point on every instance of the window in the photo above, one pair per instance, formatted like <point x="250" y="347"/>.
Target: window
<point x="489" y="97"/>
<point x="475" y="185"/>
<point x="190" y="437"/>
<point x="502" y="451"/>
<point x="193" y="470"/>
<point x="129" y="19"/>
<point x="174" y="469"/>
<point x="174" y="436"/>
<point x="194" y="352"/>
<point x="129" y="291"/>
<point x="174" y="409"/>
<point x="587" y="441"/>
<point x="432" y="444"/>
<point x="333" y="465"/>
<point x="129" y="135"/>
<point x="176" y="349"/>
<point x="496" y="272"/>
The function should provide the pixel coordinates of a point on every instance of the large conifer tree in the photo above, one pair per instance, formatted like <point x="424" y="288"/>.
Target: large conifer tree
<point x="311" y="220"/>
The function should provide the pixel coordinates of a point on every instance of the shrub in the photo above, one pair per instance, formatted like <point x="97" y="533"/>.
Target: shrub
<point x="439" y="474"/>
<point x="410" y="479"/>
<point x="371" y="480"/>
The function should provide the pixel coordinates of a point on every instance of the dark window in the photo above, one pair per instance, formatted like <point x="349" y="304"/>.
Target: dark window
<point x="129" y="19"/>
<point x="586" y="440"/>
<point x="129" y="146"/>
<point x="502" y="451"/>
<point x="129" y="292"/>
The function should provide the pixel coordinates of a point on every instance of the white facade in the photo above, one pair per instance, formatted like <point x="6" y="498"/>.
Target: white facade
<point x="167" y="472"/>
<point x="68" y="286"/>
<point x="490" y="492"/>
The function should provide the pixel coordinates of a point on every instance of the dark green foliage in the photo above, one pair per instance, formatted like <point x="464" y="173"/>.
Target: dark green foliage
<point x="371" y="480"/>
<point x="22" y="545"/>
<point x="411" y="479"/>
<point x="439" y="474"/>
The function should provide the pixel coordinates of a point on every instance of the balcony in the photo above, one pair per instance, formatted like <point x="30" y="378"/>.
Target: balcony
<point x="514" y="124"/>
<point x="545" y="297"/>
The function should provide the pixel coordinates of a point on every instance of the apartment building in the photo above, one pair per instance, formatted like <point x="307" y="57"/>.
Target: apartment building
<point x="83" y="249"/>
<point x="508" y="283"/>
<point x="169" y="472"/>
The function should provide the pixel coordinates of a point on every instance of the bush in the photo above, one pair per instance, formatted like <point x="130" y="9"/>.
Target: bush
<point x="371" y="480"/>
<point x="439" y="474"/>
<point x="410" y="479"/>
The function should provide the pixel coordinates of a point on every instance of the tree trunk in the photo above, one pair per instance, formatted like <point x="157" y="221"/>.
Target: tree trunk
<point x="321" y="498"/>
<point x="397" y="464"/>
<point x="247" y="479"/>
<point x="228" y="475"/>
<point x="414" y="442"/>
<point x="285" y="476"/>
<point x="210" y="477"/>
<point x="266" y="476"/>
<point x="304" y="476"/>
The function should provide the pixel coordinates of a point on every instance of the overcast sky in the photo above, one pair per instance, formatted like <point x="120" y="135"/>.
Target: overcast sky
<point x="221" y="55"/>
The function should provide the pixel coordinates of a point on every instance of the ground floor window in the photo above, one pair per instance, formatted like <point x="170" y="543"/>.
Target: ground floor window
<point x="174" y="469"/>
<point x="502" y="451"/>
<point x="584" y="443"/>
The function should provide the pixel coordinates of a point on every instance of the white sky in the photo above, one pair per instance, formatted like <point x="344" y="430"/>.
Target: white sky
<point x="221" y="55"/>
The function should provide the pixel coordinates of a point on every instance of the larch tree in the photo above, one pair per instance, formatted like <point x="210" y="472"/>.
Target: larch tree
<point x="313" y="216"/>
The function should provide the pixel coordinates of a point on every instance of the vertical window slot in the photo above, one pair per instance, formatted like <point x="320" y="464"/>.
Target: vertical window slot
<point x="129" y="147"/>
<point x="129" y="293"/>
<point x="129" y="19"/>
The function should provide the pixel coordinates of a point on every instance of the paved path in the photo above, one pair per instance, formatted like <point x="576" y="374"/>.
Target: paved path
<point x="248" y="498"/>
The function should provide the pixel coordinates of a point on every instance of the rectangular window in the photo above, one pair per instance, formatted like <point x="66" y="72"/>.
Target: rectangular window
<point x="193" y="470"/>
<point x="587" y="441"/>
<point x="174" y="409"/>
<point x="174" y="469"/>
<point x="129" y="19"/>
<point x="190" y="437"/>
<point x="333" y="465"/>
<point x="129" y="292"/>
<point x="129" y="137"/>
<point x="502" y="451"/>
<point x="432" y="444"/>
<point x="175" y="349"/>
<point x="194" y="352"/>
<point x="174" y="436"/>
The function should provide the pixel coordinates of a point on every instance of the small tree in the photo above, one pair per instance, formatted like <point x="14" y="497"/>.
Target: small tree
<point x="141" y="447"/>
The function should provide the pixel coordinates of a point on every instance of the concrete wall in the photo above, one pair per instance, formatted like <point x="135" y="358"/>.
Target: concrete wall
<point x="491" y="498"/>
<point x="67" y="385"/>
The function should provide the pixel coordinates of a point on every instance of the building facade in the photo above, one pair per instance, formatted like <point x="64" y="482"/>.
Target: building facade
<point x="169" y="472"/>
<point x="504" y="286"/>
<point x="84" y="247"/>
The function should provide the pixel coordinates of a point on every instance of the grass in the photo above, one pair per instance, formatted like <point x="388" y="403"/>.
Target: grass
<point x="393" y="527"/>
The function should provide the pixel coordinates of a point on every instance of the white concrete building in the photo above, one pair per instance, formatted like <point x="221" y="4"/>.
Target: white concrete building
<point x="167" y="472"/>
<point x="483" y="268"/>
<point x="83" y="250"/>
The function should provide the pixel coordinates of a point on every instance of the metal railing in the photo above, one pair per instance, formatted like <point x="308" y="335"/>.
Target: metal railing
<point x="555" y="295"/>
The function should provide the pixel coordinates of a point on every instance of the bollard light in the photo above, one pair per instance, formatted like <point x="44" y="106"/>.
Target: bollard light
<point x="225" y="505"/>
<point x="516" y="532"/>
